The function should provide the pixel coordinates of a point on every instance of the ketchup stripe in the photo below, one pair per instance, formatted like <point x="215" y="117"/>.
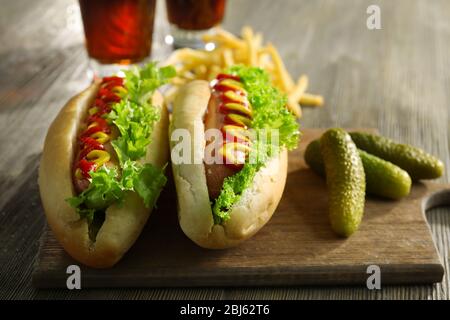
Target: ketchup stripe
<point x="241" y="109"/>
<point x="104" y="98"/>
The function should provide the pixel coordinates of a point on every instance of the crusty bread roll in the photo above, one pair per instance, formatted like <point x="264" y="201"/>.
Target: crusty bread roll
<point x="123" y="224"/>
<point x="257" y="203"/>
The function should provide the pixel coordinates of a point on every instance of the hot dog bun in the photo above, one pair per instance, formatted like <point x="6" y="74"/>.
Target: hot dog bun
<point x="257" y="203"/>
<point x="123" y="224"/>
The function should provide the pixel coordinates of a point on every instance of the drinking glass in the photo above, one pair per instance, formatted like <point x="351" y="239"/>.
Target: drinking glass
<point x="118" y="33"/>
<point x="190" y="19"/>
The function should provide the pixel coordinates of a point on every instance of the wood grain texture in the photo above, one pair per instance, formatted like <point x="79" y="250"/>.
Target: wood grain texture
<point x="296" y="247"/>
<point x="395" y="79"/>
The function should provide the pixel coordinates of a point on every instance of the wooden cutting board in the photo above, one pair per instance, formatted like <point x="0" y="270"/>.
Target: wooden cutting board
<point x="297" y="247"/>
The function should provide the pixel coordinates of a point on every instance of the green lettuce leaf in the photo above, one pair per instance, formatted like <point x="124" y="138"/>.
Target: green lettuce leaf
<point x="130" y="170"/>
<point x="234" y="186"/>
<point x="147" y="180"/>
<point x="134" y="116"/>
<point x="142" y="82"/>
<point x="269" y="105"/>
<point x="148" y="183"/>
<point x="231" y="192"/>
<point x="104" y="190"/>
<point x="269" y="112"/>
<point x="135" y="123"/>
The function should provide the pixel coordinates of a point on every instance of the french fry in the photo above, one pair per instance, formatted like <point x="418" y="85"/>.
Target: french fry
<point x="213" y="72"/>
<point x="264" y="50"/>
<point x="295" y="95"/>
<point x="294" y="107"/>
<point x="200" y="71"/>
<point x="191" y="55"/>
<point x="308" y="99"/>
<point x="263" y="60"/>
<point x="241" y="55"/>
<point x="176" y="57"/>
<point x="224" y="38"/>
<point x="247" y="35"/>
<point x="230" y="38"/>
<point x="248" y="50"/>
<point x="228" y="59"/>
<point x="258" y="40"/>
<point x="299" y="89"/>
<point x="285" y="78"/>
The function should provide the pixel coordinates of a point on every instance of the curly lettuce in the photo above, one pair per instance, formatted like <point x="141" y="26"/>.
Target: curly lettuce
<point x="142" y="82"/>
<point x="103" y="190"/>
<point x="269" y="105"/>
<point x="135" y="123"/>
<point x="107" y="188"/>
<point x="135" y="117"/>
<point x="269" y="113"/>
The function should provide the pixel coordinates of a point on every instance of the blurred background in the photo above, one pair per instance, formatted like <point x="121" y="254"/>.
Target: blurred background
<point x="397" y="74"/>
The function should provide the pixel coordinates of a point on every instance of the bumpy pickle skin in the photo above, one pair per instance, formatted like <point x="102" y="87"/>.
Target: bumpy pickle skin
<point x="345" y="180"/>
<point x="415" y="161"/>
<point x="383" y="178"/>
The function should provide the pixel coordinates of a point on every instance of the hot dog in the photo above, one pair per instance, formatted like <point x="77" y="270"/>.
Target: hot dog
<point x="101" y="169"/>
<point x="222" y="203"/>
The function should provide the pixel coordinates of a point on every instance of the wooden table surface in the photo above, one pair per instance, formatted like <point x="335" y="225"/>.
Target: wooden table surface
<point x="396" y="79"/>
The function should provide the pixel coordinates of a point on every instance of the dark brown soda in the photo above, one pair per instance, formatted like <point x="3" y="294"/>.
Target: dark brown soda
<point x="118" y="31"/>
<point x="195" y="14"/>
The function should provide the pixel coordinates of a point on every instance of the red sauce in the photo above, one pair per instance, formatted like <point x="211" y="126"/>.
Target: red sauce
<point x="230" y="112"/>
<point x="236" y="119"/>
<point x="91" y="153"/>
<point x="222" y="76"/>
